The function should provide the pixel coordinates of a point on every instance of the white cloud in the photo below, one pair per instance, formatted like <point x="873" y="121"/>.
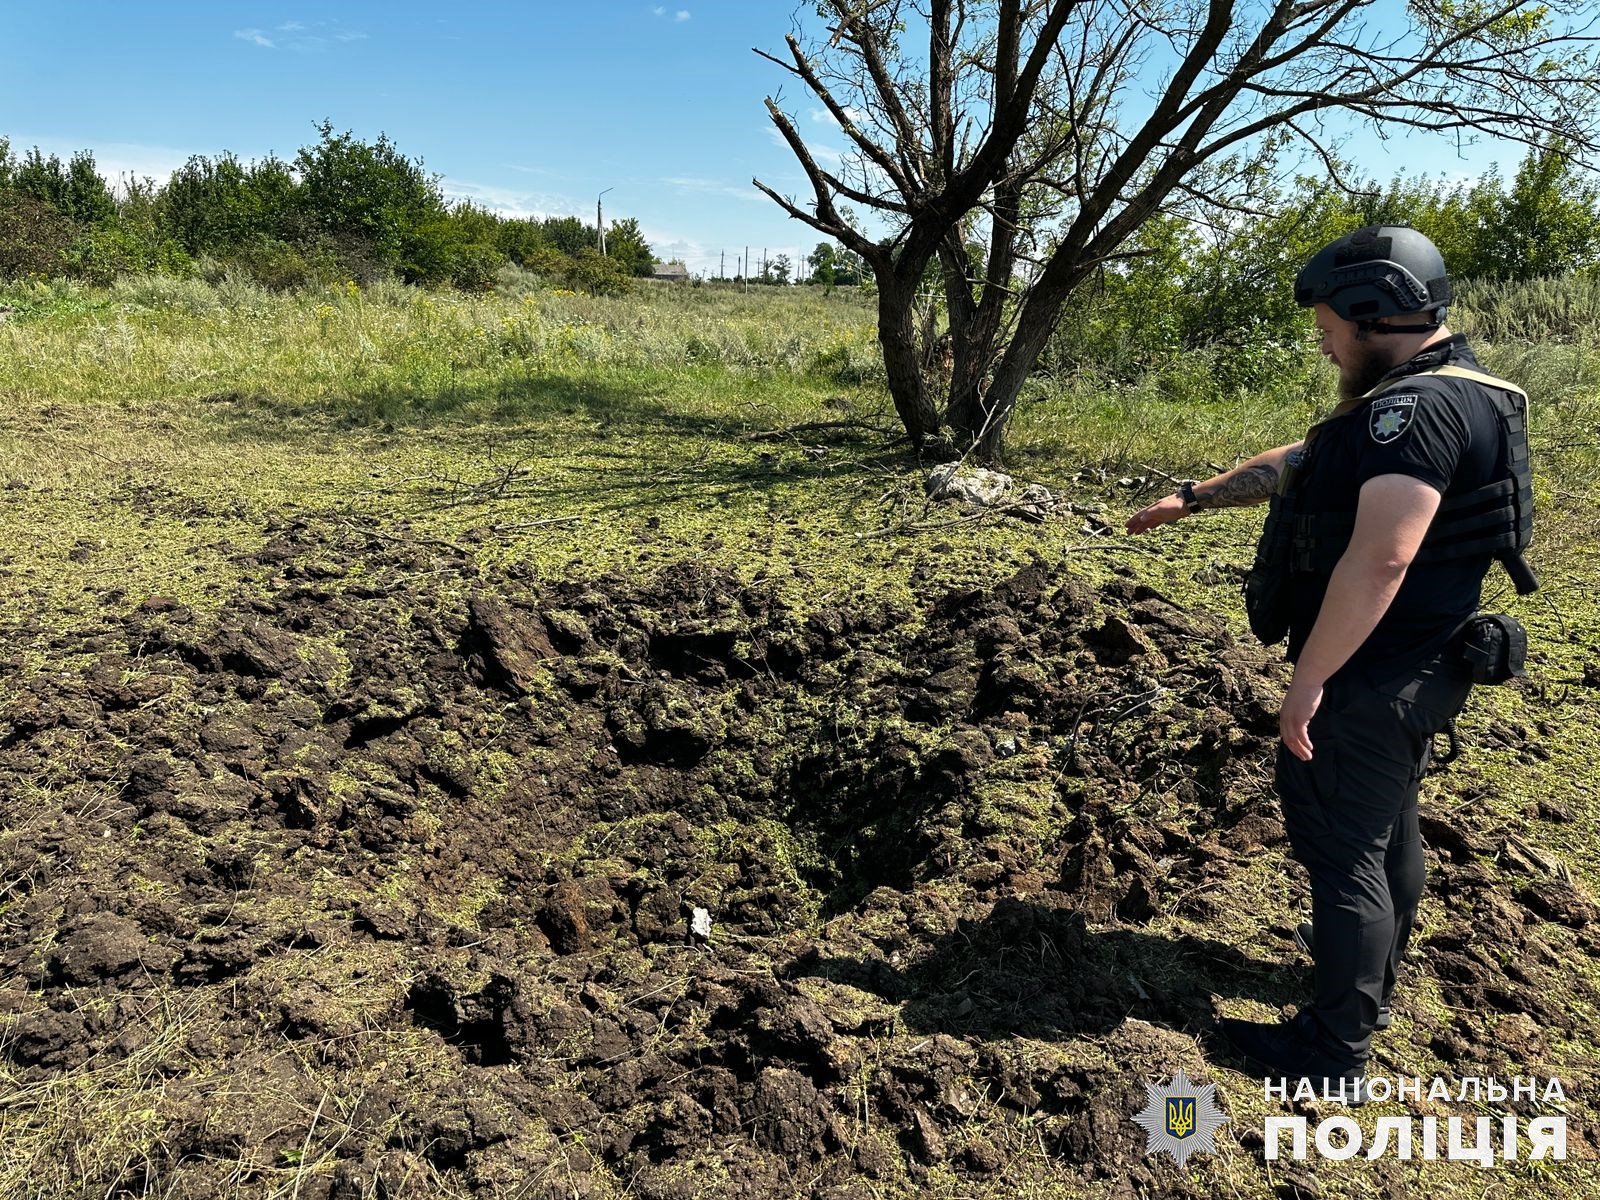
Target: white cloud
<point x="826" y="155"/>
<point x="700" y="258"/>
<point x="659" y="10"/>
<point x="823" y="117"/>
<point x="509" y="202"/>
<point x="694" y="183"/>
<point x="681" y="15"/>
<point x="300" y="37"/>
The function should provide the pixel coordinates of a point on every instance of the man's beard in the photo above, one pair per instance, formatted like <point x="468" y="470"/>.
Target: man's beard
<point x="1358" y="378"/>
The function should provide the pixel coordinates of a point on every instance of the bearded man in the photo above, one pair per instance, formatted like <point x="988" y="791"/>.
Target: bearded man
<point x="1386" y="518"/>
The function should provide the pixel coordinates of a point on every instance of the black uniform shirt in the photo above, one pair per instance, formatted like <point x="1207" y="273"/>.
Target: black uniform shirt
<point x="1440" y="430"/>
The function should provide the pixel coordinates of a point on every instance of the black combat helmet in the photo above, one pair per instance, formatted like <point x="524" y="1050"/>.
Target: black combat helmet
<point x="1378" y="271"/>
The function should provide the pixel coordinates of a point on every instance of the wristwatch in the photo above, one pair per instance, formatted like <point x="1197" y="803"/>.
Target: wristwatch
<point x="1186" y="494"/>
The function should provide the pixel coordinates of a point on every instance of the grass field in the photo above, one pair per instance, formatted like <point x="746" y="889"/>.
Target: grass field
<point x="157" y="436"/>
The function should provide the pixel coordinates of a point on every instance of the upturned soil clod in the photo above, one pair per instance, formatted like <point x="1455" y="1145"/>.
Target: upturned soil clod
<point x="380" y="882"/>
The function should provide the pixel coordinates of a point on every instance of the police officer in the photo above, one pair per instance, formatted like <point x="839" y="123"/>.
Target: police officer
<point x="1386" y="518"/>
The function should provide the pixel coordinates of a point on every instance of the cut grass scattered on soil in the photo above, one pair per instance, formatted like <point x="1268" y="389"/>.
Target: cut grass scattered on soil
<point x="159" y="437"/>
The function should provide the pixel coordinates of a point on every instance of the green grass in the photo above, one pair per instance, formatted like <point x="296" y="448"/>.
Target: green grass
<point x="151" y="429"/>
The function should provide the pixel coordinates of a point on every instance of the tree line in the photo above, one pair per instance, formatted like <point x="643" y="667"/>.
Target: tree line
<point x="1227" y="286"/>
<point x="341" y="208"/>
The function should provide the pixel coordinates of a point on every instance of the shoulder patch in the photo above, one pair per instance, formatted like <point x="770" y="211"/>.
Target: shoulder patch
<point x="1390" y="416"/>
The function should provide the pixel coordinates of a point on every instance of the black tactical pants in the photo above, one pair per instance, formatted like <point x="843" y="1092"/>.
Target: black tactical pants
<point x="1351" y="817"/>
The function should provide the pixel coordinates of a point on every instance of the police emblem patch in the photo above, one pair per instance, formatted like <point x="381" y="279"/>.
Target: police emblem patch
<point x="1391" y="416"/>
<point x="1180" y="1118"/>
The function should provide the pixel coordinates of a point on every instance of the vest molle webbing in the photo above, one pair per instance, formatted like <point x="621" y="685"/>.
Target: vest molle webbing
<point x="1495" y="519"/>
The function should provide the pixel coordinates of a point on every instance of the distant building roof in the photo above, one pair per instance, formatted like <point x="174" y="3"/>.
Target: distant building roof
<point x="672" y="271"/>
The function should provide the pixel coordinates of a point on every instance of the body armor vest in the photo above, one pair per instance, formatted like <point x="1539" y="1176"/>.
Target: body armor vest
<point x="1495" y="519"/>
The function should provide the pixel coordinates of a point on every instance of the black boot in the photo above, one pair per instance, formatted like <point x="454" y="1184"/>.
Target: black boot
<point x="1289" y="1050"/>
<point x="1303" y="939"/>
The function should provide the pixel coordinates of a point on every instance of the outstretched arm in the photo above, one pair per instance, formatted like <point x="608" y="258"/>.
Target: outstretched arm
<point x="1251" y="482"/>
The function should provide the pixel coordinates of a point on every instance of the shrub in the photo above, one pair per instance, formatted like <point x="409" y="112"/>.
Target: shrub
<point x="549" y="264"/>
<point x="75" y="190"/>
<point x="476" y="267"/>
<point x="372" y="192"/>
<point x="103" y="253"/>
<point x="273" y="264"/>
<point x="519" y="240"/>
<point x="569" y="235"/>
<point x="596" y="274"/>
<point x="391" y="293"/>
<point x="342" y="209"/>
<point x="215" y="206"/>
<point x="454" y="249"/>
<point x="517" y="282"/>
<point x="336" y="257"/>
<point x="34" y="236"/>
<point x="1554" y="308"/>
<point x="192" y="297"/>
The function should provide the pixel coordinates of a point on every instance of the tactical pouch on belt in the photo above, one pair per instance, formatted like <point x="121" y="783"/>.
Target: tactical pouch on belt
<point x="1266" y="587"/>
<point x="1495" y="646"/>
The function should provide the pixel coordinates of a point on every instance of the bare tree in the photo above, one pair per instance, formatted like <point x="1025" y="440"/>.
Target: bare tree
<point x="1049" y="131"/>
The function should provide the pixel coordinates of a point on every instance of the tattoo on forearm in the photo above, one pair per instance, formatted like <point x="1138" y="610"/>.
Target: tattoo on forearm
<point x="1251" y="485"/>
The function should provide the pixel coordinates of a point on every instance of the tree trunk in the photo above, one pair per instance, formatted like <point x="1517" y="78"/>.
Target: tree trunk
<point x="965" y="409"/>
<point x="974" y="346"/>
<point x="1035" y="324"/>
<point x="976" y="329"/>
<point x="902" y="361"/>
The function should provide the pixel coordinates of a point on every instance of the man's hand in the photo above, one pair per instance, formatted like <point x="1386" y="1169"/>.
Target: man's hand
<point x="1168" y="509"/>
<point x="1300" y="704"/>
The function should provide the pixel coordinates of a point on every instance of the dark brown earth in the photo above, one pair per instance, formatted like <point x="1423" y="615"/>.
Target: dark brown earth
<point x="385" y="874"/>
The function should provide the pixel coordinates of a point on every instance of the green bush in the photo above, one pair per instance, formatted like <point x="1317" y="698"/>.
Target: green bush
<point x="569" y="235"/>
<point x="592" y="272"/>
<point x="516" y="282"/>
<point x="349" y="189"/>
<point x="75" y="190"/>
<point x="335" y="258"/>
<point x="446" y="251"/>
<point x="476" y="267"/>
<point x="518" y="239"/>
<point x="276" y="265"/>
<point x="213" y="206"/>
<point x="343" y="209"/>
<point x="192" y="297"/>
<point x="549" y="264"/>
<point x="625" y="243"/>
<point x="34" y="236"/>
<point x="104" y="252"/>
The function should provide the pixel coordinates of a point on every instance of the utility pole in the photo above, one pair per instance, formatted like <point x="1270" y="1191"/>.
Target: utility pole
<point x="746" y="271"/>
<point x="722" y="263"/>
<point x="763" y="264"/>
<point x="600" y="220"/>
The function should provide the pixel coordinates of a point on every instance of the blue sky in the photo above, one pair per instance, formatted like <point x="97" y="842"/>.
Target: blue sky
<point x="527" y="107"/>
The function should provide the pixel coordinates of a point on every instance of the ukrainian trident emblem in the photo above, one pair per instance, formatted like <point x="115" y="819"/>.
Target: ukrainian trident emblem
<point x="1180" y="1118"/>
